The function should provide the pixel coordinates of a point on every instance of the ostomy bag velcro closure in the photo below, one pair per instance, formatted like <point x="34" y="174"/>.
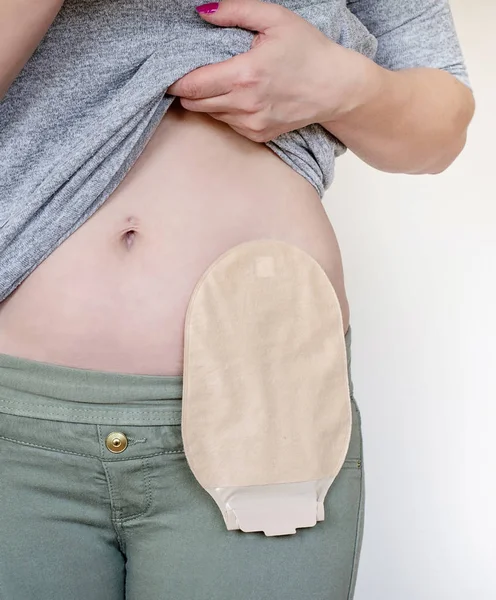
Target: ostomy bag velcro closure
<point x="266" y="412"/>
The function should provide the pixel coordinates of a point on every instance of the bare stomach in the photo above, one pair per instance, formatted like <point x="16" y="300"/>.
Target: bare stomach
<point x="113" y="296"/>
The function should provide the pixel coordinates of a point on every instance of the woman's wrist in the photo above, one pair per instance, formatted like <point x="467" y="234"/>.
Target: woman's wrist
<point x="355" y="86"/>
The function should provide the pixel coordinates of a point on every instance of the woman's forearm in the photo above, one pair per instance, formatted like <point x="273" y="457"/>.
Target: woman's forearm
<point x="23" y="23"/>
<point x="409" y="121"/>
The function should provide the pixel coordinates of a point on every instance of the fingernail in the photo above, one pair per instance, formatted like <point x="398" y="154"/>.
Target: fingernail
<point x="211" y="7"/>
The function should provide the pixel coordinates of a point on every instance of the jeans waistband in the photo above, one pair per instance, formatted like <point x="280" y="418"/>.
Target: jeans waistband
<point x="53" y="392"/>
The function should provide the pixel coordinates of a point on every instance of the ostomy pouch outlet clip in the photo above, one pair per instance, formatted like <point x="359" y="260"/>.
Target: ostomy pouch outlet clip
<point x="266" y="411"/>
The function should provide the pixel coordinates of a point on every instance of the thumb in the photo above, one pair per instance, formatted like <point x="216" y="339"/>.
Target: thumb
<point x="255" y="15"/>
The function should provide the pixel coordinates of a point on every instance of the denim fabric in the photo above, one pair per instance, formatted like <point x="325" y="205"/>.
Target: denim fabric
<point x="80" y="522"/>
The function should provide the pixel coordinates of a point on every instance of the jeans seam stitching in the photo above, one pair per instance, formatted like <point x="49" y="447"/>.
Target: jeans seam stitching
<point x="146" y="456"/>
<point x="113" y="509"/>
<point x="148" y="496"/>
<point x="360" y="502"/>
<point x="47" y="447"/>
<point x="152" y="415"/>
<point x="355" y="566"/>
<point x="2" y="437"/>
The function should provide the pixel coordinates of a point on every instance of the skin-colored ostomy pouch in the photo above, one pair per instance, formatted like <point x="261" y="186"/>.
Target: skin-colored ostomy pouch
<point x="266" y="419"/>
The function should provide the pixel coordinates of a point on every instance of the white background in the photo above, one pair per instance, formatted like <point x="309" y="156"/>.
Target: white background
<point x="420" y="263"/>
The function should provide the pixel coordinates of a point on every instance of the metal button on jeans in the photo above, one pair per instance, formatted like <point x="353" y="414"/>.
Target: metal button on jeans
<point x="116" y="442"/>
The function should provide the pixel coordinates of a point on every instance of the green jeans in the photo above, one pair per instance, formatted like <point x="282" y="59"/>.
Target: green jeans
<point x="80" y="521"/>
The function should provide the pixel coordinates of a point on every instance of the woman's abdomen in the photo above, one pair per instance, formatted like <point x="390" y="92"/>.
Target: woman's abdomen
<point x="113" y="296"/>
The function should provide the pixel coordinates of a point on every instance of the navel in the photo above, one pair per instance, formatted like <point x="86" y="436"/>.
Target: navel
<point x="129" y="237"/>
<point x="130" y="231"/>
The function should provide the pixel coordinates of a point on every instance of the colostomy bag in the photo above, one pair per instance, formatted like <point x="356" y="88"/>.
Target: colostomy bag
<point x="266" y="419"/>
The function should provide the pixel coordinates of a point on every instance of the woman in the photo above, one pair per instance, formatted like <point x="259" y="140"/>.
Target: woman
<point x="113" y="204"/>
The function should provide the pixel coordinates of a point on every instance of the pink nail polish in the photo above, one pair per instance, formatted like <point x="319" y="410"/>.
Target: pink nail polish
<point x="211" y="7"/>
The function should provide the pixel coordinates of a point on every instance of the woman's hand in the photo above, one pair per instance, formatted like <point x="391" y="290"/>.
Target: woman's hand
<point x="292" y="76"/>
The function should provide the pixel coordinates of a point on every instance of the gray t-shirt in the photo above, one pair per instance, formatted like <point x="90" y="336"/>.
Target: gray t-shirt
<point x="86" y="103"/>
